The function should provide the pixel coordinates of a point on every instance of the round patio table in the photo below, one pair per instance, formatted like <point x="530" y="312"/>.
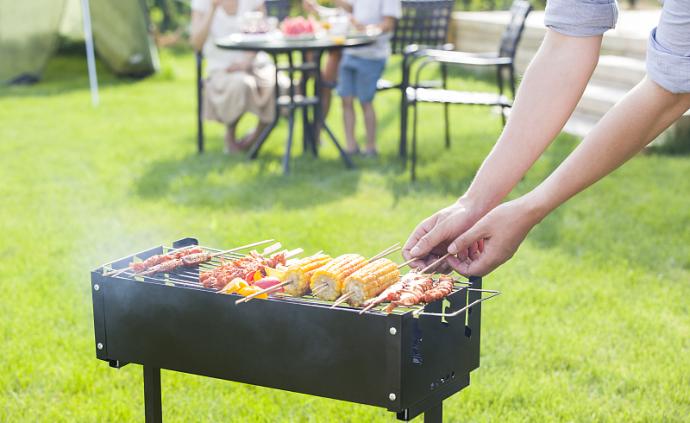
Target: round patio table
<point x="311" y="51"/>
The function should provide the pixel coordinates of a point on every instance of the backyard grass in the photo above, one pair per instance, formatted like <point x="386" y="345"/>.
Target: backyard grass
<point x="593" y="323"/>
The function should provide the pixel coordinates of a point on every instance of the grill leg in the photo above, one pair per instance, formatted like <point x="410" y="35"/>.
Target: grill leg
<point x="152" y="394"/>
<point x="434" y="414"/>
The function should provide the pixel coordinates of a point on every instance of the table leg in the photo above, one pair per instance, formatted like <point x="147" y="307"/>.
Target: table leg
<point x="308" y="138"/>
<point x="288" y="146"/>
<point x="152" y="394"/>
<point x="343" y="154"/>
<point x="254" y="151"/>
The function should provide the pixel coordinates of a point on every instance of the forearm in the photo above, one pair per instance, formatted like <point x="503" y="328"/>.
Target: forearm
<point x="630" y="125"/>
<point x="201" y="24"/>
<point x="548" y="94"/>
<point x="343" y="4"/>
<point x="388" y="24"/>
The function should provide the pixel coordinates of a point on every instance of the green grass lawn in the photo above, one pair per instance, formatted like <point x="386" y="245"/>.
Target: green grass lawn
<point x="593" y="323"/>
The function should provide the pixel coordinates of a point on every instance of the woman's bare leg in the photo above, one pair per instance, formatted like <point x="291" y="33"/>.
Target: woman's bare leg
<point x="231" y="144"/>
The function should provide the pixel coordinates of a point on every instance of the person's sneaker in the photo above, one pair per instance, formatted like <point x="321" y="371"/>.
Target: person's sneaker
<point x="371" y="154"/>
<point x="353" y="153"/>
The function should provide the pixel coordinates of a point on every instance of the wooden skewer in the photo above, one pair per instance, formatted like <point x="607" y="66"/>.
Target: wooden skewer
<point x="292" y="253"/>
<point x="243" y="247"/>
<point x="367" y="308"/>
<point x="319" y="287"/>
<point x="387" y="251"/>
<point x="272" y="248"/>
<point x="432" y="265"/>
<point x="400" y="266"/>
<point x="342" y="299"/>
<point x="263" y="291"/>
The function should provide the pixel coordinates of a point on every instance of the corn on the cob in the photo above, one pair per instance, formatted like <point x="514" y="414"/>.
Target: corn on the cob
<point x="370" y="281"/>
<point x="299" y="274"/>
<point x="331" y="277"/>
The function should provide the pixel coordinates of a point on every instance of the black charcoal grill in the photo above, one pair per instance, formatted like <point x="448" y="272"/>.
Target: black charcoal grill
<point x="408" y="361"/>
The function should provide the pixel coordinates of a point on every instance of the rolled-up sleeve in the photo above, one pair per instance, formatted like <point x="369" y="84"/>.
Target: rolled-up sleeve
<point x="581" y="18"/>
<point x="668" y="50"/>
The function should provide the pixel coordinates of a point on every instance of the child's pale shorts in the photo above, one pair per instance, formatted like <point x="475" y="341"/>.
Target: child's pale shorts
<point x="357" y="77"/>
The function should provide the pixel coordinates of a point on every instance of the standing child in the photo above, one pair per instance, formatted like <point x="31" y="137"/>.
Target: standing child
<point x="361" y="67"/>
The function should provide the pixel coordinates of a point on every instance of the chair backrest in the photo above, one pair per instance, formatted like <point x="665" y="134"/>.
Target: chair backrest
<point x="423" y="22"/>
<point x="512" y="34"/>
<point x="278" y="8"/>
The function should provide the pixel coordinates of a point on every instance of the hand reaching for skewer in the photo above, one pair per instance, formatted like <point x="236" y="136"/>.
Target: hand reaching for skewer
<point x="432" y="237"/>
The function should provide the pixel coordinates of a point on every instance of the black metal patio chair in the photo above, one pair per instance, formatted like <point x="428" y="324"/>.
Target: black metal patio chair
<point x="277" y="8"/>
<point x="423" y="23"/>
<point x="502" y="61"/>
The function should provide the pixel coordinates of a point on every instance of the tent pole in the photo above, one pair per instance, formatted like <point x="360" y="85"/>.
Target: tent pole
<point x="90" y="56"/>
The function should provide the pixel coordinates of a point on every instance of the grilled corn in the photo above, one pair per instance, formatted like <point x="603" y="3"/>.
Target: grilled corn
<point x="370" y="281"/>
<point x="330" y="278"/>
<point x="299" y="274"/>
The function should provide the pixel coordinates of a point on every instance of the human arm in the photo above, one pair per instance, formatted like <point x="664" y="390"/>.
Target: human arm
<point x="549" y="92"/>
<point x="201" y="24"/>
<point x="630" y="125"/>
<point x="313" y="7"/>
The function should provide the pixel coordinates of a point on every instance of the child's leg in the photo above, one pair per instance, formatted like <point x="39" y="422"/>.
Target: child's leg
<point x="349" y="121"/>
<point x="370" y="124"/>
<point x="368" y="73"/>
<point x="346" y="90"/>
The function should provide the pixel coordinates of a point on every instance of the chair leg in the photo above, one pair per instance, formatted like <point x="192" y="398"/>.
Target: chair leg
<point x="403" y="126"/>
<point x="444" y="75"/>
<point x="199" y="108"/>
<point x="413" y="170"/>
<point x="511" y="71"/>
<point x="288" y="147"/>
<point x="445" y="111"/>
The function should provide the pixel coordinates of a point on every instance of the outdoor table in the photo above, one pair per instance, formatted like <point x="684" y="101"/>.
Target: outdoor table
<point x="311" y="51"/>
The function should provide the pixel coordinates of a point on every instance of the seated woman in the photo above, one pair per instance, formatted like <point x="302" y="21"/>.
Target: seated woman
<point x="237" y="82"/>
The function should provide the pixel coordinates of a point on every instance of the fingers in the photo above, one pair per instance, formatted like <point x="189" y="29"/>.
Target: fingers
<point x="422" y="229"/>
<point x="461" y="245"/>
<point x="473" y="251"/>
<point x="426" y="243"/>
<point x="483" y="265"/>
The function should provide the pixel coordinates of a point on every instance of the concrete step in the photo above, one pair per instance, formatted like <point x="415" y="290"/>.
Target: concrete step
<point x="598" y="99"/>
<point x="580" y="124"/>
<point x="479" y="31"/>
<point x="623" y="72"/>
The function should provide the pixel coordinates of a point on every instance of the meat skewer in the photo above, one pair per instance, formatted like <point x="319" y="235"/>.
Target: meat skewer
<point x="159" y="259"/>
<point x="424" y="293"/>
<point x="195" y="258"/>
<point x="410" y="284"/>
<point x="244" y="268"/>
<point x="198" y="257"/>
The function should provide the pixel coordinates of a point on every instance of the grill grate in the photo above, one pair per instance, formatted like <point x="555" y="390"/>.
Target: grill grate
<point x="188" y="278"/>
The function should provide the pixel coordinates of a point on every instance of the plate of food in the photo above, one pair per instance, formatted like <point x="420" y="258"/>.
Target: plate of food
<point x="298" y="28"/>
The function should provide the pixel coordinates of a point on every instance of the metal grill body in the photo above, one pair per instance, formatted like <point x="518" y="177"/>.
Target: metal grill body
<point x="405" y="364"/>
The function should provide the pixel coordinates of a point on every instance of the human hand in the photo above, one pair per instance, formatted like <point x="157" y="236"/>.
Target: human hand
<point x="242" y="66"/>
<point x="501" y="231"/>
<point x="215" y="4"/>
<point x="431" y="238"/>
<point x="310" y="6"/>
